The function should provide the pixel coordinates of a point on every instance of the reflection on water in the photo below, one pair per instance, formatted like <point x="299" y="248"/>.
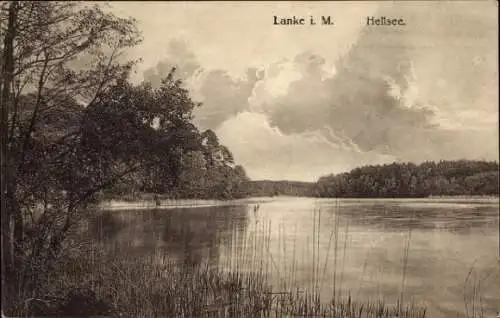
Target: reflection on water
<point x="398" y="215"/>
<point x="355" y="246"/>
<point x="180" y="234"/>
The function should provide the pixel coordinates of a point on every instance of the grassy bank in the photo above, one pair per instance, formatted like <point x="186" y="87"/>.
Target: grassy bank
<point x="138" y="287"/>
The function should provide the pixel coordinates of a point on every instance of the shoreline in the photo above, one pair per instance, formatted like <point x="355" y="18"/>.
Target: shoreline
<point x="117" y="204"/>
<point x="122" y="204"/>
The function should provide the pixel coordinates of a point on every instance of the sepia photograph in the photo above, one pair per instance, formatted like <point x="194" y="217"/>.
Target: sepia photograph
<point x="250" y="159"/>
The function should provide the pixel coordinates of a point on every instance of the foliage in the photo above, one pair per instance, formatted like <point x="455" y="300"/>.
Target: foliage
<point x="73" y="127"/>
<point x="151" y="128"/>
<point x="57" y="58"/>
<point x="267" y="188"/>
<point x="461" y="177"/>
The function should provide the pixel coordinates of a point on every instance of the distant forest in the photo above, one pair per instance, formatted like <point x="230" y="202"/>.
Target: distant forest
<point x="443" y="178"/>
<point x="268" y="188"/>
<point x="396" y="180"/>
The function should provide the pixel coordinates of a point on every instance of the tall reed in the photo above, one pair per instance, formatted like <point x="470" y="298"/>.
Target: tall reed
<point x="252" y="281"/>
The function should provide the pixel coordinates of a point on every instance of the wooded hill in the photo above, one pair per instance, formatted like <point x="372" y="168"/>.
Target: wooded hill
<point x="396" y="180"/>
<point x="265" y="188"/>
<point x="443" y="178"/>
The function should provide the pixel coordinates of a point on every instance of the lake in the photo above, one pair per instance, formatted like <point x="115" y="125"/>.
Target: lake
<point x="442" y="253"/>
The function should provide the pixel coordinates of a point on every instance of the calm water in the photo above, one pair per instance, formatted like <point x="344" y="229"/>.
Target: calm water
<point x="442" y="253"/>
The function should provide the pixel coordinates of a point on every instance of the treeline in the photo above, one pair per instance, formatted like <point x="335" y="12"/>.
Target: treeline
<point x="134" y="139"/>
<point x="267" y="188"/>
<point x="443" y="178"/>
<point x="176" y="159"/>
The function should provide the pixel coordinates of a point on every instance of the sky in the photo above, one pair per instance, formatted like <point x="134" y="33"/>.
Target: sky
<point x="298" y="102"/>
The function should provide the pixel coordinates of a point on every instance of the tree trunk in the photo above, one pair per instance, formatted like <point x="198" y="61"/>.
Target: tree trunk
<point x="6" y="79"/>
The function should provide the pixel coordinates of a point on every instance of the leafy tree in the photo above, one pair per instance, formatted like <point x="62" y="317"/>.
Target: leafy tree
<point x="51" y="50"/>
<point x="193" y="174"/>
<point x="142" y="129"/>
<point x="73" y="127"/>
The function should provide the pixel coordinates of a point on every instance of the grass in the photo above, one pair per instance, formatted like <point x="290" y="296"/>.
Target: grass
<point x="97" y="282"/>
<point x="140" y="288"/>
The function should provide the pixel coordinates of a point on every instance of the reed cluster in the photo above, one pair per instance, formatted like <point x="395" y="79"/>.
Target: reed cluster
<point x="248" y="282"/>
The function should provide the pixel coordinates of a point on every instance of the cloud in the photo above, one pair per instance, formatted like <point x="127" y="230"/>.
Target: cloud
<point x="177" y="55"/>
<point x="266" y="152"/>
<point x="222" y="96"/>
<point x="426" y="92"/>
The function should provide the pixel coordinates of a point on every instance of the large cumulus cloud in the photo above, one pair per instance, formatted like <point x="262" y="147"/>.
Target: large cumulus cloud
<point x="427" y="91"/>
